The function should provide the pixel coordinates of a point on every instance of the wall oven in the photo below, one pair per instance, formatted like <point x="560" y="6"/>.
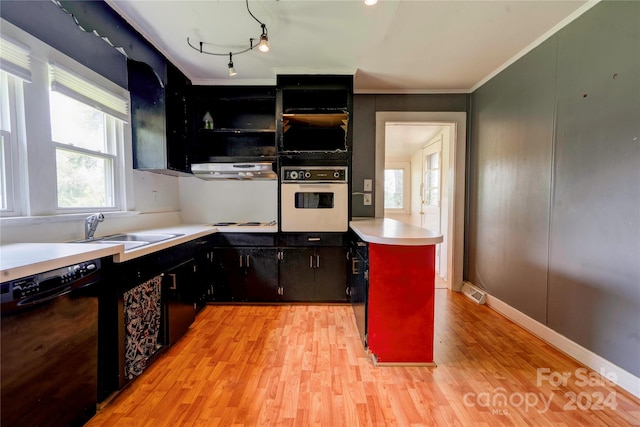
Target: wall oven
<point x="314" y="199"/>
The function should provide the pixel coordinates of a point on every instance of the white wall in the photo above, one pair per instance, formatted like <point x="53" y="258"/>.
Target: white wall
<point x="227" y="200"/>
<point x="155" y="204"/>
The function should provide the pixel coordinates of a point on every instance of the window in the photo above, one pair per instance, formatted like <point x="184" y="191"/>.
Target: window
<point x="85" y="137"/>
<point x="10" y="91"/>
<point x="63" y="138"/>
<point x="85" y="158"/>
<point x="432" y="179"/>
<point x="396" y="187"/>
<point x="393" y="186"/>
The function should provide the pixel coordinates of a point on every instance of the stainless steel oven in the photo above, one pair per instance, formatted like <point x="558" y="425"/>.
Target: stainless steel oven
<point x="314" y="199"/>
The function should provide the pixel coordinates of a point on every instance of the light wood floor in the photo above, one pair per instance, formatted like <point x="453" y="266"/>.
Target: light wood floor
<point x="304" y="365"/>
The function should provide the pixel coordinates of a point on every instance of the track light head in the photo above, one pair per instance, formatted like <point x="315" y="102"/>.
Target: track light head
<point x="263" y="46"/>
<point x="232" y="70"/>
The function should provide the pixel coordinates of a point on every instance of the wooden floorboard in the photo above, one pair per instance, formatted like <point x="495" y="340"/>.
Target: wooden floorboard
<point x="304" y="365"/>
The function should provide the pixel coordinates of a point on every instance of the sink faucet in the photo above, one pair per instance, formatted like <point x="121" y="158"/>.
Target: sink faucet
<point x="91" y="224"/>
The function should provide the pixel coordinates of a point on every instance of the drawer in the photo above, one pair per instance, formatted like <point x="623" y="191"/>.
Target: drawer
<point x="313" y="239"/>
<point x="245" y="239"/>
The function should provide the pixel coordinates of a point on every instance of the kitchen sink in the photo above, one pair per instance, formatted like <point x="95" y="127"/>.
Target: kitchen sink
<point x="138" y="237"/>
<point x="131" y="240"/>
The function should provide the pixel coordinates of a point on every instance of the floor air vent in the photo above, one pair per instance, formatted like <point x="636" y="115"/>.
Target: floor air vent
<point x="473" y="293"/>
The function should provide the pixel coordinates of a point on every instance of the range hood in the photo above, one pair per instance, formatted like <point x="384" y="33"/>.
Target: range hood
<point x="241" y="171"/>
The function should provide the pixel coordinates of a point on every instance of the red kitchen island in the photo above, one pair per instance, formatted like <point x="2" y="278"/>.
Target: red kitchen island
<point x="398" y="303"/>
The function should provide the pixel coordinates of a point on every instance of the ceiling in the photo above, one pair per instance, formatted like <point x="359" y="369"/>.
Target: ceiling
<point x="403" y="139"/>
<point x="406" y="46"/>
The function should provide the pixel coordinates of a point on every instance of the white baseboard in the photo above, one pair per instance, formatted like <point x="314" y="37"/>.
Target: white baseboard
<point x="624" y="379"/>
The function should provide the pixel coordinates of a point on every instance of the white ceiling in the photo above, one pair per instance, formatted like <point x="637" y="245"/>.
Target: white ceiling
<point x="403" y="139"/>
<point x="406" y="46"/>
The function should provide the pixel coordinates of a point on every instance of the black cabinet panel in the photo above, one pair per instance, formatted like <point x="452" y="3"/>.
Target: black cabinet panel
<point x="159" y="119"/>
<point x="297" y="275"/>
<point x="313" y="239"/>
<point x="330" y="274"/>
<point x="180" y="309"/>
<point x="243" y="124"/>
<point x="359" y="286"/>
<point x="245" y="239"/>
<point x="313" y="274"/>
<point x="314" y="113"/>
<point x="261" y="274"/>
<point x="244" y="274"/>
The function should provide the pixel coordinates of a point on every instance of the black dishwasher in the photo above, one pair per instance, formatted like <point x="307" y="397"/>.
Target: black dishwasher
<point x="49" y="347"/>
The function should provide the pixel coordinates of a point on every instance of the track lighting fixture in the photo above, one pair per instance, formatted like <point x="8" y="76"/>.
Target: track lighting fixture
<point x="263" y="44"/>
<point x="232" y="70"/>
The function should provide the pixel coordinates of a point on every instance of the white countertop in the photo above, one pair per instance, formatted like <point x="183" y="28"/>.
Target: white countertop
<point x="25" y="259"/>
<point x="386" y="231"/>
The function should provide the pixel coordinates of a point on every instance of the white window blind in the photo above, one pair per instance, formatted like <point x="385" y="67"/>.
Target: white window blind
<point x="15" y="58"/>
<point x="76" y="87"/>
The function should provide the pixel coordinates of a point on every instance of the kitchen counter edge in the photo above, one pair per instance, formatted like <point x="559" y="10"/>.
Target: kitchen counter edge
<point x="387" y="231"/>
<point x="26" y="259"/>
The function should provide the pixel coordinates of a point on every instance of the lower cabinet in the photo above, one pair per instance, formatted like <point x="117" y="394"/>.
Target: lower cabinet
<point x="148" y="306"/>
<point x="179" y="304"/>
<point x="359" y="287"/>
<point x="245" y="274"/>
<point x="313" y="274"/>
<point x="245" y="267"/>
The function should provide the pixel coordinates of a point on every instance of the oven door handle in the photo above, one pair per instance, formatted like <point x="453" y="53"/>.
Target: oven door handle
<point x="322" y="185"/>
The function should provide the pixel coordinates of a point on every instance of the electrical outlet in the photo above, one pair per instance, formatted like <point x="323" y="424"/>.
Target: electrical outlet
<point x="367" y="199"/>
<point x="368" y="185"/>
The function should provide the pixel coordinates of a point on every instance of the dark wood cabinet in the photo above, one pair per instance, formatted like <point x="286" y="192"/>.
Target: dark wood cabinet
<point x="163" y="301"/>
<point x="242" y="124"/>
<point x="178" y="120"/>
<point x="159" y="119"/>
<point x="313" y="274"/>
<point x="314" y="114"/>
<point x="297" y="276"/>
<point x="359" y="285"/>
<point x="245" y="274"/>
<point x="242" y="267"/>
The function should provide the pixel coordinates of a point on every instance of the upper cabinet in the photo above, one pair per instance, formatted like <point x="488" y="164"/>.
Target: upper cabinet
<point x="159" y="119"/>
<point x="234" y="123"/>
<point x="314" y="113"/>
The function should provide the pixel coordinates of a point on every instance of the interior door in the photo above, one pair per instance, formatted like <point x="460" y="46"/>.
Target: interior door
<point x="432" y="191"/>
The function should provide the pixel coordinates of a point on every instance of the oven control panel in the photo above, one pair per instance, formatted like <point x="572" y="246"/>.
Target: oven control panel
<point x="314" y="173"/>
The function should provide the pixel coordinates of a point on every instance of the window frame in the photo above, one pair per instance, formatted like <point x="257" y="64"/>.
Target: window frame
<point x="13" y="139"/>
<point x="35" y="166"/>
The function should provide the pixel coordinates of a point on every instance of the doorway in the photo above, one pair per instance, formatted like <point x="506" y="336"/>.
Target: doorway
<point x="436" y="203"/>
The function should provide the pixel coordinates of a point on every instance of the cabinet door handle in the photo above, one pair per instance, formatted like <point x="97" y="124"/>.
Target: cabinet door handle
<point x="317" y="261"/>
<point x="248" y="261"/>
<point x="313" y="239"/>
<point x="240" y="256"/>
<point x="354" y="266"/>
<point x="310" y="261"/>
<point x="174" y="281"/>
